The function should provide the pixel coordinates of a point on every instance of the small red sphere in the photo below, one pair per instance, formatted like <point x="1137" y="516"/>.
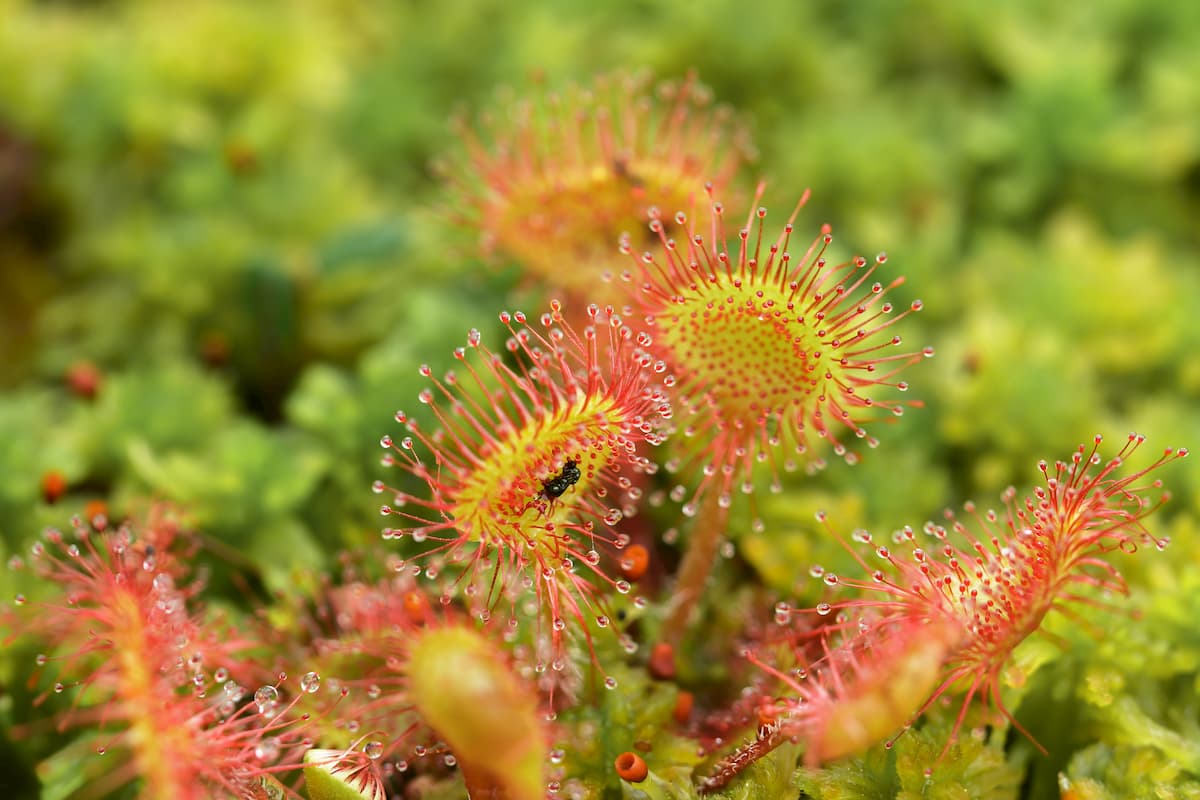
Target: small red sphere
<point x="54" y="486"/>
<point x="634" y="562"/>
<point x="84" y="379"/>
<point x="683" y="707"/>
<point x="662" y="662"/>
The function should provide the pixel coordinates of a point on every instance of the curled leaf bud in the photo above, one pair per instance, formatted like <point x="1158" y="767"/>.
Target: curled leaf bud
<point x="465" y="691"/>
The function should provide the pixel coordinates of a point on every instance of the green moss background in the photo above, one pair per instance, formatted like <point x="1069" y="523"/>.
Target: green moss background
<point x="229" y="209"/>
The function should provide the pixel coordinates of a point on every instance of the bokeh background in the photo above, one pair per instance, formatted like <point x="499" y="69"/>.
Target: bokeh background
<point x="224" y="252"/>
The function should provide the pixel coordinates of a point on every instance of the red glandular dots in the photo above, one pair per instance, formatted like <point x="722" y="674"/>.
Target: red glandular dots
<point x="532" y="465"/>
<point x="767" y="351"/>
<point x="552" y="182"/>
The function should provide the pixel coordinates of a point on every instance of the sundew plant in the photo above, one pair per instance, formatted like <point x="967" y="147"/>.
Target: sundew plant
<point x="522" y="401"/>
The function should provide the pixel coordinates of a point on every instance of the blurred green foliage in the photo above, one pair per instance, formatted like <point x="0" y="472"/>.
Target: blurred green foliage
<point x="227" y="208"/>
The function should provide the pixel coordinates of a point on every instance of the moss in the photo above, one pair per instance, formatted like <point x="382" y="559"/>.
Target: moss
<point x="231" y="211"/>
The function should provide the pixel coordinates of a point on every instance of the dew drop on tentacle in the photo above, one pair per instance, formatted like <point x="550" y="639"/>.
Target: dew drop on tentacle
<point x="266" y="697"/>
<point x="267" y="750"/>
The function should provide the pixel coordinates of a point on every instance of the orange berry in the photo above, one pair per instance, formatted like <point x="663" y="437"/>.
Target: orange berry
<point x="683" y="707"/>
<point x="54" y="486"/>
<point x="83" y="379"/>
<point x="416" y="607"/>
<point x="662" y="662"/>
<point x="634" y="562"/>
<point x="631" y="767"/>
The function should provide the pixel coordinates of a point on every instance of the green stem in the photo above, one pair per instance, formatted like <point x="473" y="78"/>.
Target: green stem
<point x="697" y="565"/>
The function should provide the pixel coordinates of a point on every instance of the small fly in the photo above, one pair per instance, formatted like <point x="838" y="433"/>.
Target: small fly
<point x="570" y="475"/>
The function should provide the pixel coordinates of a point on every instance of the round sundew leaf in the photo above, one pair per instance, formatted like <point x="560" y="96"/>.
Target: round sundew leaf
<point x="623" y="147"/>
